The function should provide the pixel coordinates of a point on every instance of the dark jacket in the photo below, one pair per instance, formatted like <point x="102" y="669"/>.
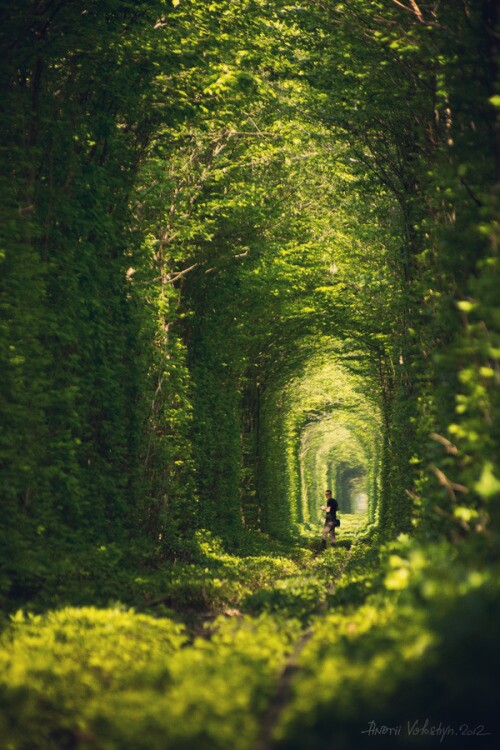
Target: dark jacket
<point x="333" y="506"/>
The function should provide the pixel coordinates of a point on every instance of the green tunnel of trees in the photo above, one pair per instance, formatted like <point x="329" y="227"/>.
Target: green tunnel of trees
<point x="248" y="249"/>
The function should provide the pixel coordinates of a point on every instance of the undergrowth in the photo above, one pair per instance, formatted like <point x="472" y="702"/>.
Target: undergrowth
<point x="198" y="665"/>
<point x="397" y="634"/>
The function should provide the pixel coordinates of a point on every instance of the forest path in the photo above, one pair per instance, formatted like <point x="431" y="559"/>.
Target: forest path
<point x="284" y="685"/>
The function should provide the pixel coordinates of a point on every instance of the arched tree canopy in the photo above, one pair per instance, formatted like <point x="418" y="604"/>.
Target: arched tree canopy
<point x="248" y="249"/>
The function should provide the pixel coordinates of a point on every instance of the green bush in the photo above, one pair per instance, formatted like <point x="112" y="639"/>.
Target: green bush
<point x="112" y="679"/>
<point x="295" y="597"/>
<point x="414" y="637"/>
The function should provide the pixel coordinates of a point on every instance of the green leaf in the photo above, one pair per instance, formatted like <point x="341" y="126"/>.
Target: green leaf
<point x="488" y="485"/>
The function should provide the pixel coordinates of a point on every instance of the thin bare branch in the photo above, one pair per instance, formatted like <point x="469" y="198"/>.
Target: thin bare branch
<point x="451" y="487"/>
<point x="171" y="279"/>
<point x="450" y="448"/>
<point x="414" y="9"/>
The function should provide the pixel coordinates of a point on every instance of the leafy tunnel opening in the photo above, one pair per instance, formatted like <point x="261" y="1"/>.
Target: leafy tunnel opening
<point x="322" y="430"/>
<point x="334" y="457"/>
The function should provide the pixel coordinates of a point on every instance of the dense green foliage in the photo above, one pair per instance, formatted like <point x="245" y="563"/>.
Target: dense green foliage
<point x="248" y="250"/>
<point x="114" y="678"/>
<point x="209" y="230"/>
<point x="382" y="657"/>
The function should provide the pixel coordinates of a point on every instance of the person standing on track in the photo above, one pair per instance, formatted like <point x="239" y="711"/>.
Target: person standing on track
<point x="331" y="509"/>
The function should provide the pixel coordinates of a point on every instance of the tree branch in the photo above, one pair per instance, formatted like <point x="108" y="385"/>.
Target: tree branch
<point x="414" y="9"/>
